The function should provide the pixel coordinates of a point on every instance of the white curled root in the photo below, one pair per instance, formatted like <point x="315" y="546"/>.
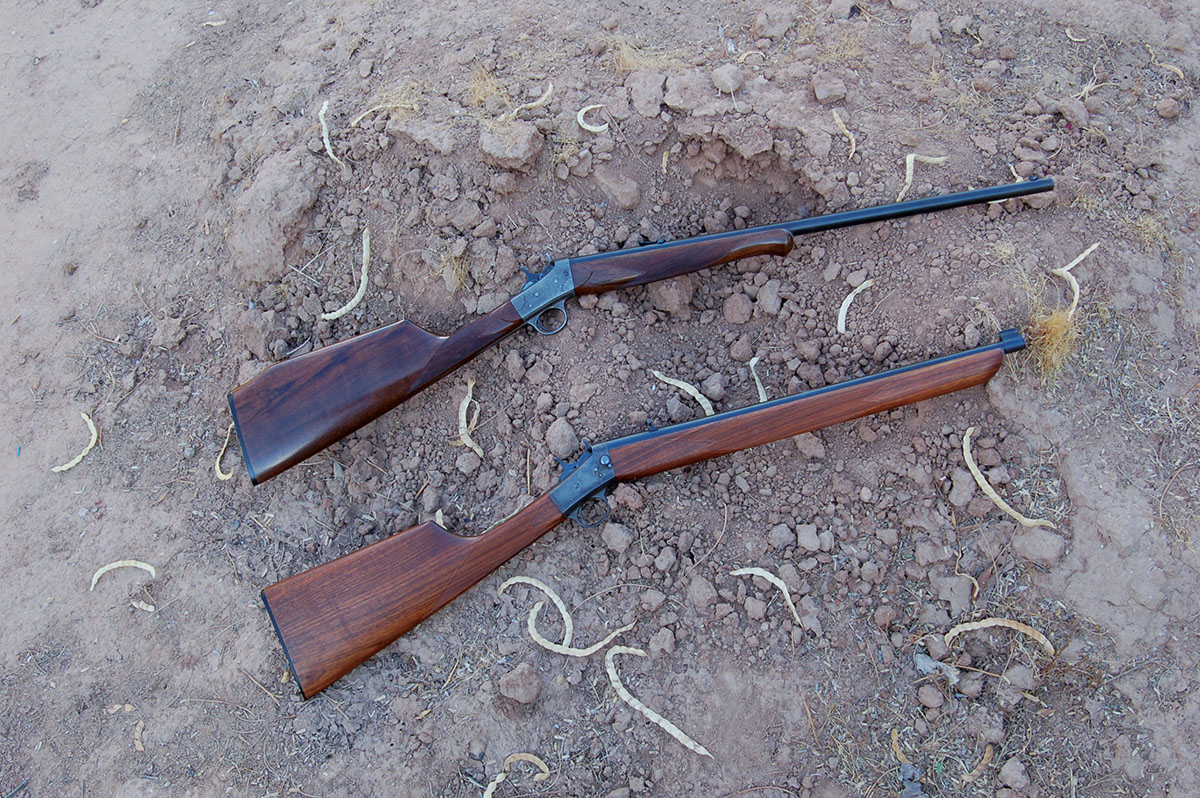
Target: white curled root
<point x="913" y="158"/>
<point x="655" y="718"/>
<point x="1017" y="626"/>
<point x="583" y="123"/>
<point x="77" y="459"/>
<point x="362" y="281"/>
<point x="845" y="308"/>
<point x="1065" y="273"/>
<point x="989" y="491"/>
<point x="774" y="580"/>
<point x="567" y="651"/>
<point x="568" y="626"/>
<point x="145" y="566"/>
<point x="325" y="134"/>
<point x="511" y="760"/>
<point x="690" y="390"/>
<point x="224" y="476"/>
<point x="465" y="426"/>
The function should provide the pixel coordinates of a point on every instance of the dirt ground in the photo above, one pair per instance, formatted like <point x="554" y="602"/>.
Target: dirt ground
<point x="174" y="224"/>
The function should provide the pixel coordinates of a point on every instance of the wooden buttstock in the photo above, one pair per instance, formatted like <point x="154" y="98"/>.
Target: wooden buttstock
<point x="333" y="617"/>
<point x="595" y="274"/>
<point x="296" y="408"/>
<point x="705" y="439"/>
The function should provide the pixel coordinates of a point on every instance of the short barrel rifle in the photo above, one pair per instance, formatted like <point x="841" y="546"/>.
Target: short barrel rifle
<point x="296" y="408"/>
<point x="333" y="617"/>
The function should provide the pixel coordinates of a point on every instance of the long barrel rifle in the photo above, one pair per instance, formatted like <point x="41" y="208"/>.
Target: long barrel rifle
<point x="333" y="617"/>
<point x="296" y="408"/>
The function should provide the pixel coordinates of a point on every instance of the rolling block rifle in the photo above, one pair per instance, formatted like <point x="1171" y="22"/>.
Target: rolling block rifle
<point x="333" y="617"/>
<point x="296" y="408"/>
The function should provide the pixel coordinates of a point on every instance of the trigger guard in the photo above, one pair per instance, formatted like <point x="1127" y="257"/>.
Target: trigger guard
<point x="576" y="515"/>
<point x="536" y="321"/>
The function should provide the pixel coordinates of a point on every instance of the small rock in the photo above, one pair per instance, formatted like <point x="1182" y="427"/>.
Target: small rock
<point x="930" y="696"/>
<point x="738" y="308"/>
<point x="756" y="609"/>
<point x="672" y="296"/>
<point x="728" y="78"/>
<point x="925" y="28"/>
<point x="620" y="189"/>
<point x="773" y="22"/>
<point x="1167" y="107"/>
<point x="1074" y="111"/>
<point x="701" y="592"/>
<point x="768" y="300"/>
<point x="513" y="147"/>
<point x="661" y="642"/>
<point x="740" y="350"/>
<point x="884" y="616"/>
<point x="645" y="92"/>
<point x="714" y="386"/>
<point x="780" y="536"/>
<point x="810" y="445"/>
<point x="1014" y="774"/>
<point x="828" y="88"/>
<point x="840" y="9"/>
<point x="652" y="599"/>
<point x="616" y="536"/>
<point x="666" y="559"/>
<point x="962" y="487"/>
<point x="1021" y="677"/>
<point x="1041" y="200"/>
<point x="561" y="439"/>
<point x="522" y="684"/>
<point x="807" y="538"/>
<point x="468" y="462"/>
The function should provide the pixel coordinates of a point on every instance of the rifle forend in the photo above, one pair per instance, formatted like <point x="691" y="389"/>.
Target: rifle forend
<point x="296" y="408"/>
<point x="333" y="617"/>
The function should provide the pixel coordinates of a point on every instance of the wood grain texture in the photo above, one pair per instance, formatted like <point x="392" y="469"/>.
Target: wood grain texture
<point x="703" y="441"/>
<point x="296" y="408"/>
<point x="333" y="617"/>
<point x="598" y="273"/>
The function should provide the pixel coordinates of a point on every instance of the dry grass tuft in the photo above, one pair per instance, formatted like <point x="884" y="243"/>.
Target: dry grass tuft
<point x="1153" y="234"/>
<point x="402" y="99"/>
<point x="1052" y="338"/>
<point x="623" y="55"/>
<point x="483" y="84"/>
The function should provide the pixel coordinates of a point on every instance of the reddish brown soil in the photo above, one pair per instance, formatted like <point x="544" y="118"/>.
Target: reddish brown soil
<point x="174" y="225"/>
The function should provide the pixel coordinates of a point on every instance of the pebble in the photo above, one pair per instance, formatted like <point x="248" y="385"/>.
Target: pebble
<point x="728" y="78"/>
<point x="756" y="609"/>
<point x="807" y="538"/>
<point x="738" y="309"/>
<point x="646" y="92"/>
<point x="1013" y="774"/>
<point x="1167" y="107"/>
<point x="468" y="462"/>
<point x="515" y="148"/>
<point x="780" y="536"/>
<point x="828" y="88"/>
<point x="661" y="642"/>
<point x="561" y="439"/>
<point x="701" y="593"/>
<point x="522" y="684"/>
<point x="671" y="296"/>
<point x="930" y="696"/>
<point x="962" y="487"/>
<point x="616" y="536"/>
<point x="621" y="189"/>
